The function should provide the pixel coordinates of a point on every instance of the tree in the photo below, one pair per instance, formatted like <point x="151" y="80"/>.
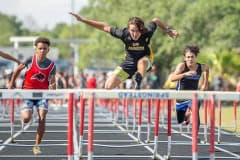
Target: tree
<point x="212" y="25"/>
<point x="10" y="27"/>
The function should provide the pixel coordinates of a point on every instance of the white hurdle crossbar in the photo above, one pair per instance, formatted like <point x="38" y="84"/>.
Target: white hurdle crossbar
<point x="120" y="94"/>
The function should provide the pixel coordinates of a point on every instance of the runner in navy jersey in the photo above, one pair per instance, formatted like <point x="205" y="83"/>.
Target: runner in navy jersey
<point x="136" y="37"/>
<point x="188" y="74"/>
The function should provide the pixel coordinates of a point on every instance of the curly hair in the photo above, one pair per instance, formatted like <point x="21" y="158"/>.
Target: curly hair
<point x="138" y="22"/>
<point x="42" y="40"/>
<point x="193" y="49"/>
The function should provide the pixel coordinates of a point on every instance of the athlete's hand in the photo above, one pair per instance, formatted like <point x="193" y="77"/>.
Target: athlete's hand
<point x="79" y="18"/>
<point x="190" y="73"/>
<point x="10" y="85"/>
<point x="203" y="88"/>
<point x="173" y="33"/>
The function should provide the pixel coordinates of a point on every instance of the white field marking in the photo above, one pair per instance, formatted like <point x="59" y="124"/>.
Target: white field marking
<point x="136" y="139"/>
<point x="14" y="136"/>
<point x="221" y="149"/>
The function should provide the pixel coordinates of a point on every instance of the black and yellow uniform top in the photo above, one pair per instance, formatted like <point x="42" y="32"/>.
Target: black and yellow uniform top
<point x="135" y="49"/>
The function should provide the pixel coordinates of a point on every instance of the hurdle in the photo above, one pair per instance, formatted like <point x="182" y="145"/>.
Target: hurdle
<point x="11" y="95"/>
<point x="200" y="95"/>
<point x="139" y="96"/>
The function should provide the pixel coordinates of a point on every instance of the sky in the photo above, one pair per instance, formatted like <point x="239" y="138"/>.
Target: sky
<point x="40" y="14"/>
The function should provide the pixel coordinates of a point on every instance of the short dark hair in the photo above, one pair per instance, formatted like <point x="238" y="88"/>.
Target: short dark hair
<point x="193" y="49"/>
<point x="42" y="40"/>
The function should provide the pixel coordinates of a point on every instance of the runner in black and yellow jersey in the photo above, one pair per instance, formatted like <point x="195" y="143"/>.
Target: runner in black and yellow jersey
<point x="136" y="38"/>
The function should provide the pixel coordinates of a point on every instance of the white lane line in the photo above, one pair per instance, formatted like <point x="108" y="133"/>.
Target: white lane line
<point x="14" y="136"/>
<point x="216" y="147"/>
<point x="135" y="138"/>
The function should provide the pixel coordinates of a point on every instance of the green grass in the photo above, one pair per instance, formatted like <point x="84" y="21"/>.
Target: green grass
<point x="227" y="115"/>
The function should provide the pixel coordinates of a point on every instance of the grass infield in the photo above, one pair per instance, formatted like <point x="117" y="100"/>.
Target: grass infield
<point x="228" y="122"/>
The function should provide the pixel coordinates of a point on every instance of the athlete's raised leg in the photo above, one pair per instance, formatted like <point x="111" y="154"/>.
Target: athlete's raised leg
<point x="143" y="65"/>
<point x="118" y="76"/>
<point x="112" y="82"/>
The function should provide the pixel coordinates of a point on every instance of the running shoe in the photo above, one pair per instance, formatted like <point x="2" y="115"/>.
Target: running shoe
<point x="187" y="122"/>
<point x="137" y="80"/>
<point x="36" y="150"/>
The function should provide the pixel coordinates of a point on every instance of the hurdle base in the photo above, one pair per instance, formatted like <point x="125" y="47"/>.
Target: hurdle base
<point x="13" y="140"/>
<point x="167" y="157"/>
<point x="147" y="140"/>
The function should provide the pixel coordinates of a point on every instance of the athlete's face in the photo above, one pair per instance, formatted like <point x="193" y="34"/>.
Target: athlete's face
<point x="190" y="58"/>
<point x="134" y="32"/>
<point x="42" y="49"/>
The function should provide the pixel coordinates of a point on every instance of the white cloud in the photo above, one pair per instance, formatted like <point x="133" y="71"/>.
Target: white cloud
<point x="46" y="13"/>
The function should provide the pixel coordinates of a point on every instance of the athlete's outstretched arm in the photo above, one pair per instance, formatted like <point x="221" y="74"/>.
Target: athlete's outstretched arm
<point x="99" y="25"/>
<point x="172" y="33"/>
<point x="15" y="75"/>
<point x="9" y="57"/>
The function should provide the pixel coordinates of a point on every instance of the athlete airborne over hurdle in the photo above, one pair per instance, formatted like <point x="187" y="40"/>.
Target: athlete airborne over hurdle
<point x="136" y="37"/>
<point x="40" y="74"/>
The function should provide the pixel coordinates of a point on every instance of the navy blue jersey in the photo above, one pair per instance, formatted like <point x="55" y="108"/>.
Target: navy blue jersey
<point x="190" y="83"/>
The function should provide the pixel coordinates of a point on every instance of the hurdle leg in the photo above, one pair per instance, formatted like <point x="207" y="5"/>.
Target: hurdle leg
<point x="70" y="127"/>
<point x="123" y="111"/>
<point x="22" y="125"/>
<point x="3" y="101"/>
<point x="90" y="128"/>
<point x="219" y="121"/>
<point x="180" y="128"/>
<point x="140" y="120"/>
<point x="134" y="115"/>
<point x="12" y="119"/>
<point x="194" y="127"/>
<point x="75" y="134"/>
<point x="188" y="128"/>
<point x="156" y="130"/>
<point x="116" y="111"/>
<point x="81" y="125"/>
<point x="205" y="120"/>
<point x="162" y="108"/>
<point x="212" y="128"/>
<point x="149" y="120"/>
<point x="235" y="116"/>
<point x="169" y="105"/>
<point x="126" y="112"/>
